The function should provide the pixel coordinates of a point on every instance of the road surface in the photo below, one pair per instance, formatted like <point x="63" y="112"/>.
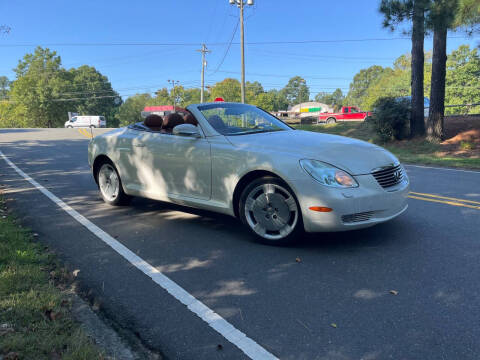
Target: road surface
<point x="407" y="289"/>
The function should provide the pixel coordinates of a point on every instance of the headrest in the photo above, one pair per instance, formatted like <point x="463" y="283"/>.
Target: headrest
<point x="153" y="121"/>
<point x="172" y="120"/>
<point x="216" y="121"/>
<point x="190" y="119"/>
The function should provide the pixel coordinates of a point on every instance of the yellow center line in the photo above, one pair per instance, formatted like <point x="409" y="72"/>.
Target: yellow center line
<point x="85" y="133"/>
<point x="446" y="198"/>
<point x="453" y="203"/>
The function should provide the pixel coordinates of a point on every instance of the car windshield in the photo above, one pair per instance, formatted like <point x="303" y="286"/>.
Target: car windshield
<point x="240" y="119"/>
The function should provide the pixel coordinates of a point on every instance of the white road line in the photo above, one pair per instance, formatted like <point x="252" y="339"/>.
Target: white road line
<point x="219" y="324"/>
<point x="445" y="169"/>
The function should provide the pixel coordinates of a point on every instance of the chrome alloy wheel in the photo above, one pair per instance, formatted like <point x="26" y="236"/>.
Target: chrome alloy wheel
<point x="271" y="211"/>
<point x="109" y="182"/>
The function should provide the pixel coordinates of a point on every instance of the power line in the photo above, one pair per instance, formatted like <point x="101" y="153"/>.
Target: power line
<point x="285" y="76"/>
<point x="288" y="42"/>
<point x="228" y="48"/>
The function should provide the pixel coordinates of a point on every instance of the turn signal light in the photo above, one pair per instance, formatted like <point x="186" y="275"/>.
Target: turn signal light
<point x="320" y="208"/>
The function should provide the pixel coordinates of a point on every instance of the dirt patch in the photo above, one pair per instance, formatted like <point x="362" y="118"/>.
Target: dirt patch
<point x="471" y="136"/>
<point x="455" y="125"/>
<point x="462" y="137"/>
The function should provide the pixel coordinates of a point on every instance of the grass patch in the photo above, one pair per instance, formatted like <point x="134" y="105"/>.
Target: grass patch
<point x="35" y="319"/>
<point x="417" y="151"/>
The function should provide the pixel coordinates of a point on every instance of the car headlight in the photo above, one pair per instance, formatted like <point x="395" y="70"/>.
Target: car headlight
<point x="327" y="174"/>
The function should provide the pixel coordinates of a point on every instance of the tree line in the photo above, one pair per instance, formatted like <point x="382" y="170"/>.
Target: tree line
<point x="368" y="85"/>
<point x="43" y="91"/>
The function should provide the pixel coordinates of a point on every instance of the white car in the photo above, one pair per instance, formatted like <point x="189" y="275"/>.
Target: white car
<point x="242" y="161"/>
<point x="86" y="121"/>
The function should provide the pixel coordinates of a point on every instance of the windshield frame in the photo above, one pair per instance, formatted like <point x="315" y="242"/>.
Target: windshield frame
<point x="267" y="116"/>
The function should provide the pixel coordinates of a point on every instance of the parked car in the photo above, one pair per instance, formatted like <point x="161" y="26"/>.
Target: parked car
<point x="426" y="104"/>
<point x="86" y="121"/>
<point x="242" y="161"/>
<point x="347" y="113"/>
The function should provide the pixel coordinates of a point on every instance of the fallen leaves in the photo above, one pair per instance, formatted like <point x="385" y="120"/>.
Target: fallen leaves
<point x="298" y="260"/>
<point x="333" y="325"/>
<point x="393" y="292"/>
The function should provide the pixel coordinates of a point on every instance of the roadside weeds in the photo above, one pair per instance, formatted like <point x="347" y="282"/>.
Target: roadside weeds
<point x="35" y="310"/>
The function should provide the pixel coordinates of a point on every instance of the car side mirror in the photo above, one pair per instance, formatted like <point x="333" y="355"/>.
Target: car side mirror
<point x="186" y="130"/>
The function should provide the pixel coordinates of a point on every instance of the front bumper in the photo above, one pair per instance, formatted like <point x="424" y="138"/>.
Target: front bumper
<point x="353" y="208"/>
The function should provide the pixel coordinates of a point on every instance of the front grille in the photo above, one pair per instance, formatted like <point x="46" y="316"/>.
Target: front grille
<point x="389" y="176"/>
<point x="358" y="217"/>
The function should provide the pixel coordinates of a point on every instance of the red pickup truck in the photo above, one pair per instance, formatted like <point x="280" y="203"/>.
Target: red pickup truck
<point x="347" y="113"/>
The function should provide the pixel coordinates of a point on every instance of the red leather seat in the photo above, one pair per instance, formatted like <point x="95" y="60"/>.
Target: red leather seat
<point x="153" y="122"/>
<point x="170" y="121"/>
<point x="190" y="119"/>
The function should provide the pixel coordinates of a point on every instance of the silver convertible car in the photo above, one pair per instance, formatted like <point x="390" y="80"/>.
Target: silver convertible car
<point x="239" y="160"/>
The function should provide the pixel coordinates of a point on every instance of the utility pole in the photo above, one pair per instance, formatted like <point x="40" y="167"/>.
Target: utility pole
<point x="203" y="50"/>
<point x="174" y="83"/>
<point x="241" y="4"/>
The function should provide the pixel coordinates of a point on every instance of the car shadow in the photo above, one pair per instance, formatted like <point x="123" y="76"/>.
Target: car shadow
<point x="375" y="236"/>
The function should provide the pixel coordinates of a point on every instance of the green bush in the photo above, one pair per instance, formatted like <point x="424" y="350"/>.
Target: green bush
<point x="391" y="118"/>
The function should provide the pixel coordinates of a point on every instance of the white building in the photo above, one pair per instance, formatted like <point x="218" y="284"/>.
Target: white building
<point x="311" y="108"/>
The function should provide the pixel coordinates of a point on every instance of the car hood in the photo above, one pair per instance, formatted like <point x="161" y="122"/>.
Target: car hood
<point x="355" y="156"/>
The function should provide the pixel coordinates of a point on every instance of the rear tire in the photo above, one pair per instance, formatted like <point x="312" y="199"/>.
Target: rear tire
<point x="331" y="121"/>
<point x="110" y="185"/>
<point x="92" y="126"/>
<point x="69" y="127"/>
<point x="270" y="210"/>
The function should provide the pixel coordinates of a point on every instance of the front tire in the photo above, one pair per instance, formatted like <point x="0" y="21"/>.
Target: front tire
<point x="110" y="185"/>
<point x="331" y="121"/>
<point x="270" y="210"/>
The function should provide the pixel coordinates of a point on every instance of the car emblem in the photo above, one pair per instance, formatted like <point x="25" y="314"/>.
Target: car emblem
<point x="397" y="175"/>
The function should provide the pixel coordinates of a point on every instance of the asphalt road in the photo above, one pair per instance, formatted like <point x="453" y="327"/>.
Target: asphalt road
<point x="429" y="255"/>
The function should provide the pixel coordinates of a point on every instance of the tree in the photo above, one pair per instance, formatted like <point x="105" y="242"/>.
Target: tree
<point x="177" y="95"/>
<point x="462" y="79"/>
<point x="228" y="89"/>
<point x="94" y="92"/>
<point x="296" y="91"/>
<point x="252" y="90"/>
<point x="4" y="87"/>
<point x="442" y="17"/>
<point x="394" y="82"/>
<point x="40" y="88"/>
<point x="362" y="81"/>
<point x="192" y="96"/>
<point x="335" y="99"/>
<point x="468" y="15"/>
<point x="130" y="111"/>
<point x="162" y="97"/>
<point x="396" y="12"/>
<point x="44" y="92"/>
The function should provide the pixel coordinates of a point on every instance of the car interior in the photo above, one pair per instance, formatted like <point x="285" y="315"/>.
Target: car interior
<point x="166" y="124"/>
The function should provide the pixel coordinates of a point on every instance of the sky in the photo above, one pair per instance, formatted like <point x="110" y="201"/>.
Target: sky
<point x="139" y="45"/>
